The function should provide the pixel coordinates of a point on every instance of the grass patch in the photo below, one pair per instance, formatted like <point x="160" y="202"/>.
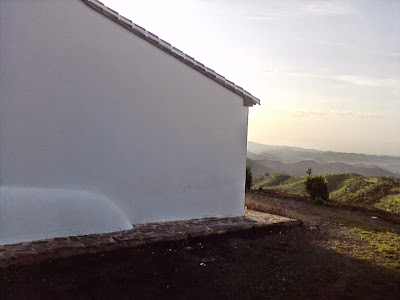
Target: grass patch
<point x="369" y="243"/>
<point x="384" y="243"/>
<point x="381" y="193"/>
<point x="390" y="203"/>
<point x="296" y="187"/>
<point x="359" y="190"/>
<point x="273" y="180"/>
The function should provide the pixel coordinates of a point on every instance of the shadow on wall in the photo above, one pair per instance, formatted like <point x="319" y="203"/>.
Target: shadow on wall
<point x="28" y="214"/>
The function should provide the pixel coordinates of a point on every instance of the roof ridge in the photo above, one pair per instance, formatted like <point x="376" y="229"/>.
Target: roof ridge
<point x="249" y="99"/>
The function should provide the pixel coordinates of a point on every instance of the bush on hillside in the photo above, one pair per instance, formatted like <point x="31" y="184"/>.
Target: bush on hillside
<point x="249" y="179"/>
<point x="317" y="187"/>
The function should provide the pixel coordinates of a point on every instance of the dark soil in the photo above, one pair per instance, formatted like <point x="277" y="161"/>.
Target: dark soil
<point x="273" y="263"/>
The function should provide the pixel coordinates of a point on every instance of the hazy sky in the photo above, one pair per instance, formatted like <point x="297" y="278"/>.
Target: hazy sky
<point x="327" y="72"/>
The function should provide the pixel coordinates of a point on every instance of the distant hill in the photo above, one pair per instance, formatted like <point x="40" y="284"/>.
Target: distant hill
<point x="295" y="161"/>
<point x="259" y="167"/>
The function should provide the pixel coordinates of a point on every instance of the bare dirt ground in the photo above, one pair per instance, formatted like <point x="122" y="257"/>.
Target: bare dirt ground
<point x="312" y="261"/>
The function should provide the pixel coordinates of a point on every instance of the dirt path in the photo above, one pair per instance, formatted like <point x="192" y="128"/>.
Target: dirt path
<point x="314" y="260"/>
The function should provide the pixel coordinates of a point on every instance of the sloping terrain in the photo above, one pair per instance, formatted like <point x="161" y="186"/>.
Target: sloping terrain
<point x="353" y="189"/>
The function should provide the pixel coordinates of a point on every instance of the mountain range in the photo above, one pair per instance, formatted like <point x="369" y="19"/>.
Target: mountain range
<point x="295" y="161"/>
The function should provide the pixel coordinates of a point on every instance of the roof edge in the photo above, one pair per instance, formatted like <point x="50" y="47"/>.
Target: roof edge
<point x="248" y="99"/>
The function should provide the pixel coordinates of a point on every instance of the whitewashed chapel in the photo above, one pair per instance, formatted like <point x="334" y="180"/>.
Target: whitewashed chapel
<point x="104" y="125"/>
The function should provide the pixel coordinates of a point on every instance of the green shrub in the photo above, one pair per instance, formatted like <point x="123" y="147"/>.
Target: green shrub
<point x="249" y="179"/>
<point x="316" y="187"/>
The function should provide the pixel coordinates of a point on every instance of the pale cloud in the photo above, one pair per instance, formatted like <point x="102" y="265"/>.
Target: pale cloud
<point x="367" y="81"/>
<point x="329" y="7"/>
<point x="354" y="47"/>
<point x="352" y="79"/>
<point x="330" y="114"/>
<point x="277" y="10"/>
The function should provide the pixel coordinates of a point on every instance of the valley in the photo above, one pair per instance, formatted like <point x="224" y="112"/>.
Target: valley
<point x="295" y="161"/>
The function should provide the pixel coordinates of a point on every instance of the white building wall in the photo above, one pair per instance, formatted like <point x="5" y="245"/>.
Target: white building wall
<point x="88" y="107"/>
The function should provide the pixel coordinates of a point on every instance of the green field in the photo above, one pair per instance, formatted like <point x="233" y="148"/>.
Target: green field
<point x="378" y="192"/>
